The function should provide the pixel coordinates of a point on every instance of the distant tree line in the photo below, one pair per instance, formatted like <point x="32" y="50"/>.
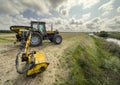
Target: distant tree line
<point x="5" y="31"/>
<point x="102" y="34"/>
<point x="105" y="34"/>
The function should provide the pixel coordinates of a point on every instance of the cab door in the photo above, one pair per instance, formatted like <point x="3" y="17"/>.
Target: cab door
<point x="42" y="29"/>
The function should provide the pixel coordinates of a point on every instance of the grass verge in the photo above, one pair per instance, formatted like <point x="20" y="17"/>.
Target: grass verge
<point x="89" y="63"/>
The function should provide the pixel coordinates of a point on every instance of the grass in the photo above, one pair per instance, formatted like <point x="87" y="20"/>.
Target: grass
<point x="68" y="35"/>
<point x="113" y="48"/>
<point x="115" y="35"/>
<point x="7" y="37"/>
<point x="90" y="63"/>
<point x="10" y="37"/>
<point x="3" y="40"/>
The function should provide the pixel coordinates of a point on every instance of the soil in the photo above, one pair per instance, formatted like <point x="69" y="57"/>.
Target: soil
<point x="9" y="75"/>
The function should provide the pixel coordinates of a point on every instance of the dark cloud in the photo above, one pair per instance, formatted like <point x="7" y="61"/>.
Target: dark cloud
<point x="9" y="7"/>
<point x="96" y="20"/>
<point x="114" y="24"/>
<point x="94" y="24"/>
<point x="56" y="3"/>
<point x="64" y="12"/>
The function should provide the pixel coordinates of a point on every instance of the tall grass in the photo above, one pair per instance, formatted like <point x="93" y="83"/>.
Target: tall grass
<point x="113" y="48"/>
<point x="91" y="65"/>
<point x="115" y="35"/>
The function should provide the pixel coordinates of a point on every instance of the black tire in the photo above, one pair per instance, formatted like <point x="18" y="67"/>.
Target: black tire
<point x="57" y="39"/>
<point x="36" y="39"/>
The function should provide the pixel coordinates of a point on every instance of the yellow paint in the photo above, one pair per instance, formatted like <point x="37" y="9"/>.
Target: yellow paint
<point x="17" y="29"/>
<point x="27" y="44"/>
<point x="50" y="32"/>
<point x="39" y="57"/>
<point x="40" y="61"/>
<point x="36" y="69"/>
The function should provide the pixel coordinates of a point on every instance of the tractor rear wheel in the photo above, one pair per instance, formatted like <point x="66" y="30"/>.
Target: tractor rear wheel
<point x="36" y="39"/>
<point x="57" y="39"/>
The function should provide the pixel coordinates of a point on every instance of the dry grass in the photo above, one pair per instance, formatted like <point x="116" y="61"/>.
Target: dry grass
<point x="69" y="35"/>
<point x="5" y="37"/>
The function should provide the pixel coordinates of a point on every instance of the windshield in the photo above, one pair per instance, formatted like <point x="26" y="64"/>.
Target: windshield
<point x="35" y="26"/>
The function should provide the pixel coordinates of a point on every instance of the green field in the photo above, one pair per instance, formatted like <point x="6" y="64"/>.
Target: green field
<point x="115" y="35"/>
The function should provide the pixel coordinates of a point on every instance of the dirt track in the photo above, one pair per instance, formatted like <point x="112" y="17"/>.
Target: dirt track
<point x="9" y="76"/>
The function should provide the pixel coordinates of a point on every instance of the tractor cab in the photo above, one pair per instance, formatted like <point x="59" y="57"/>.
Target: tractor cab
<point x="39" y="26"/>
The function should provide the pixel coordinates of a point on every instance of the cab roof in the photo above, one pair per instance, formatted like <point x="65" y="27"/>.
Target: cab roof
<point x="38" y="22"/>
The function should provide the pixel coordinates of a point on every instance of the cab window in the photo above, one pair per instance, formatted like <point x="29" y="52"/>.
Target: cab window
<point x="35" y="26"/>
<point x="41" y="28"/>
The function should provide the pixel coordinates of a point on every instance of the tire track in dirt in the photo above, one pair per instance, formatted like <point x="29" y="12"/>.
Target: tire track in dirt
<point x="9" y="76"/>
<point x="7" y="59"/>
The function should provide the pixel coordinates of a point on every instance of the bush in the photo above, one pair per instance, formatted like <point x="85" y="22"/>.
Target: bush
<point x="5" y="31"/>
<point x="103" y="34"/>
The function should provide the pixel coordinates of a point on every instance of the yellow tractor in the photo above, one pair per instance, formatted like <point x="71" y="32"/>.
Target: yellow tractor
<point x="39" y="33"/>
<point x="34" y="62"/>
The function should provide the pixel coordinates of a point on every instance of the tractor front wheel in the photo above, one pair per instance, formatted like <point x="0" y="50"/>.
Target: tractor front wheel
<point x="57" y="39"/>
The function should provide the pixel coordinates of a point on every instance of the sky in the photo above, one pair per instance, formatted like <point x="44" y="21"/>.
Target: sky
<point x="65" y="15"/>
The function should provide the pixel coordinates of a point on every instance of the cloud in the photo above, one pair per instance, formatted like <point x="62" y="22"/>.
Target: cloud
<point x="17" y="6"/>
<point x="99" y="24"/>
<point x="6" y="21"/>
<point x="9" y="7"/>
<point x="118" y="9"/>
<point x="86" y="4"/>
<point x="73" y="21"/>
<point x="11" y="12"/>
<point x="107" y="7"/>
<point x="65" y="7"/>
<point x="86" y="16"/>
<point x="89" y="3"/>
<point x="56" y="3"/>
<point x="38" y="6"/>
<point x="64" y="12"/>
<point x="114" y="23"/>
<point x="65" y="25"/>
<point x="42" y="7"/>
<point x="94" y="24"/>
